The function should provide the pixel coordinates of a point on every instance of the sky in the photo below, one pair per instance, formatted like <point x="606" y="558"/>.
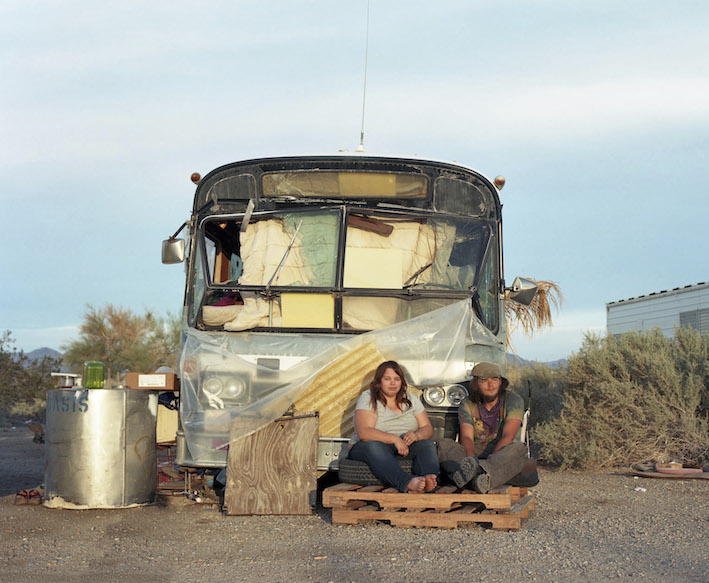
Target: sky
<point x="597" y="114"/>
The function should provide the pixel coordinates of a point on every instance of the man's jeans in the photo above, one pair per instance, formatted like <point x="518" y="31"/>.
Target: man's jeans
<point x="382" y="461"/>
<point x="507" y="465"/>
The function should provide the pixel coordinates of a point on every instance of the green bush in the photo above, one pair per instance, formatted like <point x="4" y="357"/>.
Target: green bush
<point x="23" y="382"/>
<point x="635" y="397"/>
<point x="546" y="384"/>
<point x="33" y="410"/>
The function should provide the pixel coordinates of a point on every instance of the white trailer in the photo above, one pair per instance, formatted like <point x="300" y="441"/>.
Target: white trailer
<point x="667" y="310"/>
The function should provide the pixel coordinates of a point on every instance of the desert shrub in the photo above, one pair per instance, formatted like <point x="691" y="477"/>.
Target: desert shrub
<point x="546" y="385"/>
<point x="34" y="410"/>
<point x="23" y="382"/>
<point x="635" y="397"/>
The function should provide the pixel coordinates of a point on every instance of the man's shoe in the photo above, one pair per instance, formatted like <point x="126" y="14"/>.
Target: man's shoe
<point x="481" y="483"/>
<point x="469" y="468"/>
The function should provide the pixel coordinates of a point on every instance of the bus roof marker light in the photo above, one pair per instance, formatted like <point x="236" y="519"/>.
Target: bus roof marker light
<point x="196" y="177"/>
<point x="500" y="181"/>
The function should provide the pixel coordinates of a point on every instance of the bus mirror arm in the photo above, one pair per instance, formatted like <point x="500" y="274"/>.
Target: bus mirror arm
<point x="522" y="291"/>
<point x="173" y="249"/>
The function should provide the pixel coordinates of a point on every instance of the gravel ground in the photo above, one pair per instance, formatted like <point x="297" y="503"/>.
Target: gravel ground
<point x="588" y="526"/>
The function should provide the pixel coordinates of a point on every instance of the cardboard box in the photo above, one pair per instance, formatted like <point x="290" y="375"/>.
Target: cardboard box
<point x="152" y="381"/>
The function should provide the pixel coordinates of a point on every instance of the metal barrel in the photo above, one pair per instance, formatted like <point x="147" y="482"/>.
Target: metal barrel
<point x="100" y="448"/>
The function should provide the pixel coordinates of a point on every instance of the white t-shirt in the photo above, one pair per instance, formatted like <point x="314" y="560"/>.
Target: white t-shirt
<point x="387" y="420"/>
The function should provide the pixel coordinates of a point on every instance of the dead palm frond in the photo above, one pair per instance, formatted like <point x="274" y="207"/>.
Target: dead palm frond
<point x="537" y="315"/>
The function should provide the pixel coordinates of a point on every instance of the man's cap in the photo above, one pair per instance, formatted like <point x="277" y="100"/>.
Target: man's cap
<point x="486" y="370"/>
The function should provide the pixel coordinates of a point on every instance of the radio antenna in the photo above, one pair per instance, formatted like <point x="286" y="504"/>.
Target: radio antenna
<point x="364" y="91"/>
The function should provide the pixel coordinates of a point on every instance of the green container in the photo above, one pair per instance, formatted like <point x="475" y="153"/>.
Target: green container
<point x="94" y="372"/>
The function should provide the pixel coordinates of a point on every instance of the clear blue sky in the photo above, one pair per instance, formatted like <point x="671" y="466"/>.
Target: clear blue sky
<point x="596" y="112"/>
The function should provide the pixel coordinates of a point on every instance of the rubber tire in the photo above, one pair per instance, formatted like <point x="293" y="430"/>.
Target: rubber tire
<point x="356" y="472"/>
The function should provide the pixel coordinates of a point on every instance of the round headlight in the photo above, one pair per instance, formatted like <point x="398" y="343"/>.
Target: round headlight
<point x="234" y="388"/>
<point x="456" y="394"/>
<point x="212" y="385"/>
<point x="434" y="395"/>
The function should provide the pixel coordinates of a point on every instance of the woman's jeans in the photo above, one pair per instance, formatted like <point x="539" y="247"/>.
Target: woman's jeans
<point x="382" y="461"/>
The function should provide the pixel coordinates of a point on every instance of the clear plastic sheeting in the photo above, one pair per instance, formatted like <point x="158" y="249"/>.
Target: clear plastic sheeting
<point x="233" y="384"/>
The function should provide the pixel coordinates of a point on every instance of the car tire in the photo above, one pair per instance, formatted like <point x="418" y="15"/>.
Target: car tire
<point x="356" y="472"/>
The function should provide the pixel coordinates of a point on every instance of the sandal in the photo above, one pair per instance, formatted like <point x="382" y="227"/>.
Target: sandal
<point x="34" y="497"/>
<point x="22" y="497"/>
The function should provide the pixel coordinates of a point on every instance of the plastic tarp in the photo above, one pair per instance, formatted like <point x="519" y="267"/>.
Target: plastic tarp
<point x="233" y="384"/>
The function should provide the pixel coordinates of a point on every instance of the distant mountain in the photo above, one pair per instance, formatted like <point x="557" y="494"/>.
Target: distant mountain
<point x="519" y="361"/>
<point x="40" y="353"/>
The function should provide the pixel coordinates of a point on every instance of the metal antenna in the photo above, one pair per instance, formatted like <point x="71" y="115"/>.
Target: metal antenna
<point x="364" y="91"/>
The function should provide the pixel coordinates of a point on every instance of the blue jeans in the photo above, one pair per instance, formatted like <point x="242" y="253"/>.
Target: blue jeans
<point x="382" y="461"/>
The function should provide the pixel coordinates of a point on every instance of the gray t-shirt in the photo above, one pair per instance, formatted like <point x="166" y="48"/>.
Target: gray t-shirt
<point x="387" y="420"/>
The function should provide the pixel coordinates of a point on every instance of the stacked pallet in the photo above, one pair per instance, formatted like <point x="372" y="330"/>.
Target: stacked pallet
<point x="505" y="508"/>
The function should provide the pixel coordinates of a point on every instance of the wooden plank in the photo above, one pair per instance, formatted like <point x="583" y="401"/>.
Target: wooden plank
<point x="446" y="489"/>
<point x="273" y="471"/>
<point x="469" y="508"/>
<point x="702" y="476"/>
<point x="429" y="519"/>
<point x="334" y="498"/>
<point x="522" y="508"/>
<point x="344" y="486"/>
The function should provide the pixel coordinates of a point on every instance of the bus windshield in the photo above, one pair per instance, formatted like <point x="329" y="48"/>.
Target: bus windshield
<point x="389" y="267"/>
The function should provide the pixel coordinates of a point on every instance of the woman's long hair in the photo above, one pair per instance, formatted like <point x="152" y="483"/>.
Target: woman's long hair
<point x="376" y="386"/>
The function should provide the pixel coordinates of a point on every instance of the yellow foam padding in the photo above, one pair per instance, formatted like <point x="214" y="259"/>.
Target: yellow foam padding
<point x="308" y="310"/>
<point x="366" y="267"/>
<point x="364" y="185"/>
<point x="335" y="390"/>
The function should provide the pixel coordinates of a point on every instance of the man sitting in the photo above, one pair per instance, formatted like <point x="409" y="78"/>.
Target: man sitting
<point x="490" y="452"/>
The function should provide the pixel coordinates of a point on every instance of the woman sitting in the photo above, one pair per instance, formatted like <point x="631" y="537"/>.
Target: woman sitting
<point x="389" y="422"/>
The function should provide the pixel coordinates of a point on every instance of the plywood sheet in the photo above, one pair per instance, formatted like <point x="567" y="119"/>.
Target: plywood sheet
<point x="335" y="390"/>
<point x="274" y="471"/>
<point x="307" y="310"/>
<point x="368" y="268"/>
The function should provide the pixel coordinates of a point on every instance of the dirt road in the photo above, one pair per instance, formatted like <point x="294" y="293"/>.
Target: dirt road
<point x="587" y="527"/>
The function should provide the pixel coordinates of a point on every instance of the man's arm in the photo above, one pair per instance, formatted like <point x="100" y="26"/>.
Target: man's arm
<point x="509" y="432"/>
<point x="467" y="438"/>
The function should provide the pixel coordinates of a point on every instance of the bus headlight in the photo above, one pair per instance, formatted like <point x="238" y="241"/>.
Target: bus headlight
<point x="456" y="394"/>
<point x="212" y="386"/>
<point x="234" y="388"/>
<point x="434" y="396"/>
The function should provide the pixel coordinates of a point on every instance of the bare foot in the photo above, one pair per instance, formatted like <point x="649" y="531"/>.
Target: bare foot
<point x="416" y="485"/>
<point x="431" y="483"/>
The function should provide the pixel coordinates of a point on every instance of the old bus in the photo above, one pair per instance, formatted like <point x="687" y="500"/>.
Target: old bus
<point x="303" y="273"/>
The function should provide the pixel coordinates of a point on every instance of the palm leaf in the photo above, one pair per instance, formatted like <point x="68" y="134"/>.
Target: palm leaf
<point x="537" y="315"/>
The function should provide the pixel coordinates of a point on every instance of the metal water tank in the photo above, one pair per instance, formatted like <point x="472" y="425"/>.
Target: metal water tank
<point x="100" y="448"/>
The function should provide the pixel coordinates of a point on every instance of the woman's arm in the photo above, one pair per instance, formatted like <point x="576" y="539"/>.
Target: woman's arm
<point x="425" y="430"/>
<point x="365" y="422"/>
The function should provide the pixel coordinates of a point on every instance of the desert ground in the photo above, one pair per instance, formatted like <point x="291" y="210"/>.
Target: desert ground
<point x="587" y="526"/>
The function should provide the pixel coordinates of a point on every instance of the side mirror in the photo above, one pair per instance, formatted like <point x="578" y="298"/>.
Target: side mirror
<point x="522" y="291"/>
<point x="173" y="250"/>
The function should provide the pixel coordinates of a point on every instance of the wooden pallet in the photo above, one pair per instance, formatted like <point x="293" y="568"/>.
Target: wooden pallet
<point x="504" y="508"/>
